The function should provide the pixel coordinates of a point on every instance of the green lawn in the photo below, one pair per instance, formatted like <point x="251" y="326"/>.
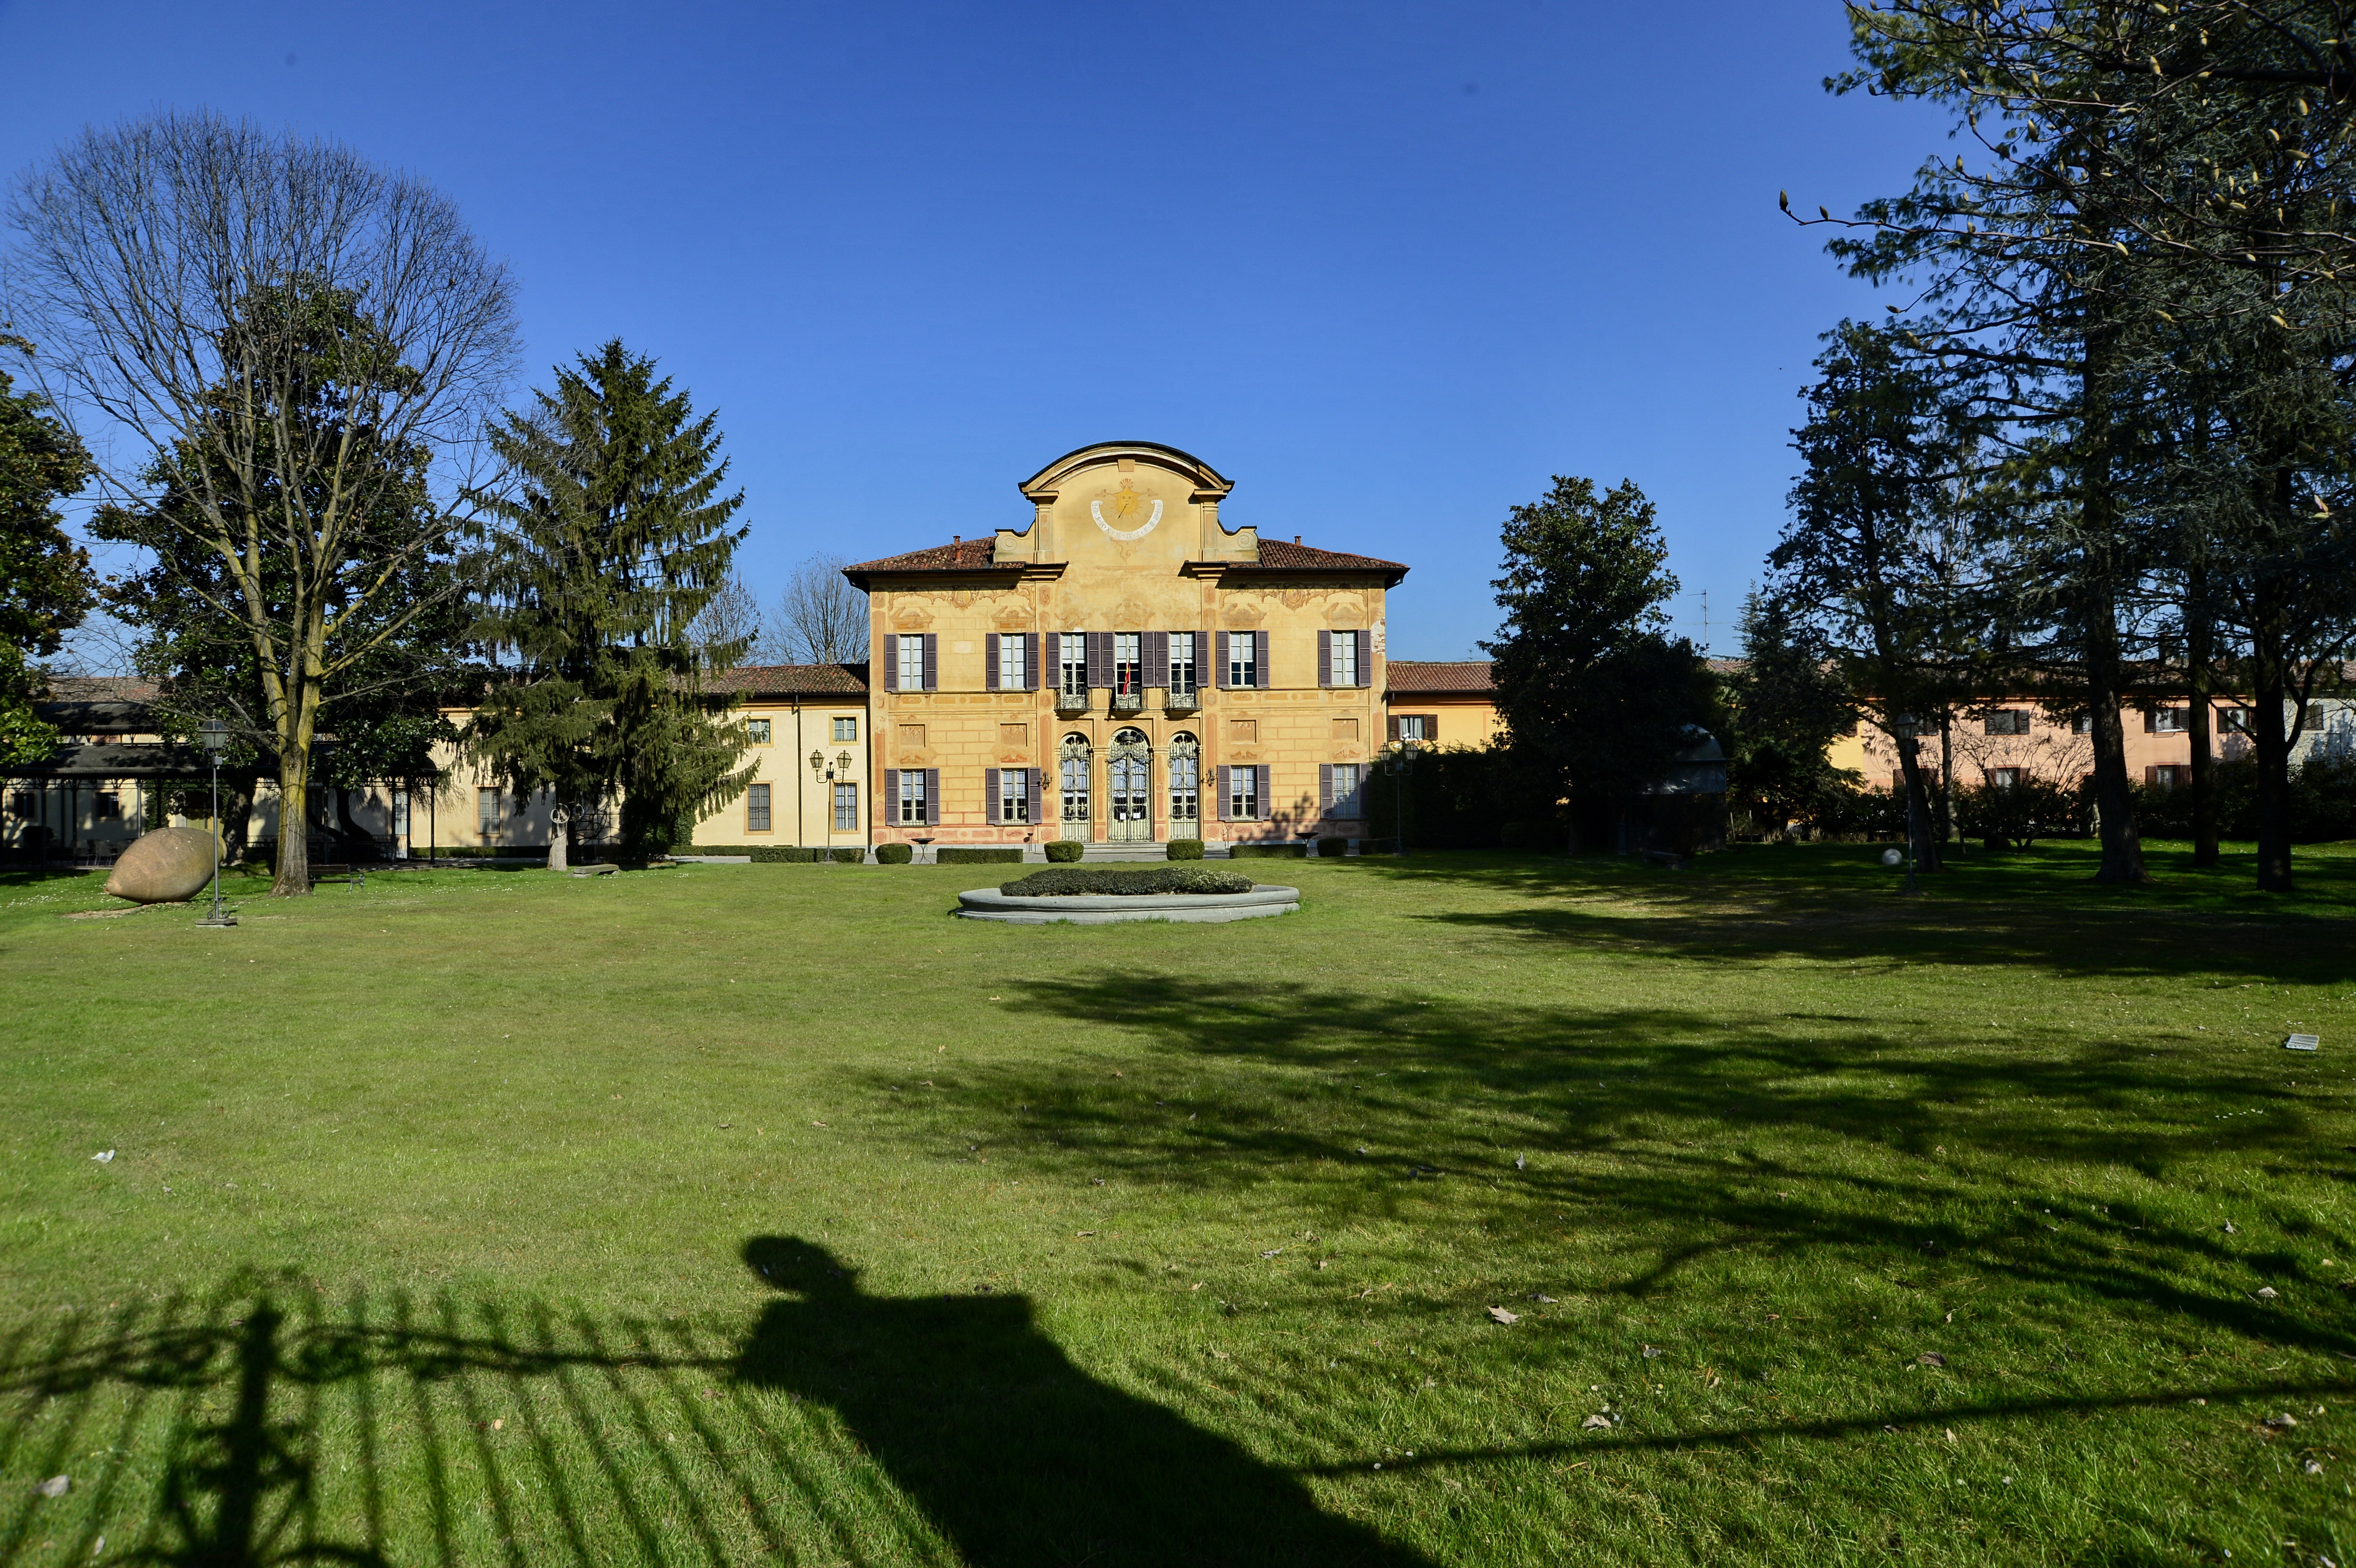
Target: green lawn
<point x="761" y="1213"/>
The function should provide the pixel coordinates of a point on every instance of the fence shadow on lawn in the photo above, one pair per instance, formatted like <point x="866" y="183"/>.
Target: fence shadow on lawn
<point x="267" y="1426"/>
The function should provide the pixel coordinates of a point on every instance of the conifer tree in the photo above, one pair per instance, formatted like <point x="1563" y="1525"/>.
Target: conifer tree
<point x="611" y="539"/>
<point x="45" y="576"/>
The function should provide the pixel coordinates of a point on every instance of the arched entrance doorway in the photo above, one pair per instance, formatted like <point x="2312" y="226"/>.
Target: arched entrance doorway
<point x="1185" y="786"/>
<point x="1128" y="788"/>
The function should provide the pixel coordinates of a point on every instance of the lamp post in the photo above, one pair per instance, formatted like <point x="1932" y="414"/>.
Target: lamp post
<point x="214" y="736"/>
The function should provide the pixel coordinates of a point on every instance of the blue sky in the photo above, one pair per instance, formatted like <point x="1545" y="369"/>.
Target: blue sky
<point x="1387" y="267"/>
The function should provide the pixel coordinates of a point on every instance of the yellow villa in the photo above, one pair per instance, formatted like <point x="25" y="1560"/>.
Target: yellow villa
<point x="1125" y="670"/>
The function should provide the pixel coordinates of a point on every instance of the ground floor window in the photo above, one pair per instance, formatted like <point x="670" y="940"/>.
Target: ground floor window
<point x="1243" y="793"/>
<point x="1185" y="782"/>
<point x="1072" y="774"/>
<point x="1014" y="794"/>
<point x="846" y="808"/>
<point x="1348" y="781"/>
<point x="2004" y="778"/>
<point x="912" y="795"/>
<point x="401" y="813"/>
<point x="756" y="809"/>
<point x="487" y="811"/>
<point x="2169" y="775"/>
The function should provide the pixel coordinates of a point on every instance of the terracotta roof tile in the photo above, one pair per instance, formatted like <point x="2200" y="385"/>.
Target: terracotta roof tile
<point x="1286" y="555"/>
<point x="794" y="680"/>
<point x="964" y="555"/>
<point x="102" y="688"/>
<point x="1461" y="675"/>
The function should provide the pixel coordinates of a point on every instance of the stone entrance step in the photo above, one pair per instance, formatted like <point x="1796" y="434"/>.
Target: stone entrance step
<point x="1096" y="853"/>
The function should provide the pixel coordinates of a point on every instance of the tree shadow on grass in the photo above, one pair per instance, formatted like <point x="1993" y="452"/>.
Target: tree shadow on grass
<point x="1808" y="1137"/>
<point x="1019" y="1457"/>
<point x="264" y="1426"/>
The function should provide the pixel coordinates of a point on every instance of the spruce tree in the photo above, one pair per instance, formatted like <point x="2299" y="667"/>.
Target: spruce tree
<point x="611" y="539"/>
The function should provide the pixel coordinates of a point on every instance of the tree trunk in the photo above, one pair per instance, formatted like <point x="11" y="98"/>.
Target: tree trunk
<point x="1924" y="852"/>
<point x="2114" y="796"/>
<point x="294" y="822"/>
<point x="2097" y="606"/>
<point x="1947" y="819"/>
<point x="2271" y="677"/>
<point x="559" y="834"/>
<point x="2199" y="647"/>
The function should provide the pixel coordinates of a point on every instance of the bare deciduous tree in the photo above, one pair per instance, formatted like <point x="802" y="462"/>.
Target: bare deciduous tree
<point x="283" y="336"/>
<point x="733" y="616"/>
<point x="821" y="618"/>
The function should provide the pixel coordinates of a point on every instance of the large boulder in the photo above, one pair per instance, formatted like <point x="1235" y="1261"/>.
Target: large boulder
<point x="164" y="867"/>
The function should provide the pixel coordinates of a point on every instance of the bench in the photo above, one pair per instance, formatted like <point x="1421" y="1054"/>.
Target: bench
<point x="335" y="871"/>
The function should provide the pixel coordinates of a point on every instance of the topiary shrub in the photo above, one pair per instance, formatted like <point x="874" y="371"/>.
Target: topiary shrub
<point x="1276" y="851"/>
<point x="1186" y="850"/>
<point x="1063" y="851"/>
<point x="1080" y="881"/>
<point x="895" y="854"/>
<point x="1330" y="848"/>
<point x="975" y="855"/>
<point x="849" y="857"/>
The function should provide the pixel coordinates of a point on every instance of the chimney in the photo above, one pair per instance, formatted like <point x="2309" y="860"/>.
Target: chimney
<point x="959" y="538"/>
<point x="1296" y="539"/>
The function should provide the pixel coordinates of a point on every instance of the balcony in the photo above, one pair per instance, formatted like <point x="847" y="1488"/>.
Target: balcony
<point x="1068" y="700"/>
<point x="1127" y="701"/>
<point x="1186" y="702"/>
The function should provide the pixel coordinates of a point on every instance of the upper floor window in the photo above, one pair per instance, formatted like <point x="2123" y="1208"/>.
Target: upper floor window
<point x="1242" y="658"/>
<point x="1417" y="727"/>
<point x="846" y="728"/>
<point x="1072" y="661"/>
<point x="756" y="730"/>
<point x="2009" y="721"/>
<point x="1345" y="659"/>
<point x="912" y="664"/>
<point x="2235" y="721"/>
<point x="1127" y="663"/>
<point x="1182" y="663"/>
<point x="2167" y="720"/>
<point x="1012" y="675"/>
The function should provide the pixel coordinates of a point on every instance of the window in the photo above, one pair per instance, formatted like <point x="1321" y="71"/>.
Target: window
<point x="1418" y="726"/>
<point x="1014" y="794"/>
<point x="846" y="728"/>
<point x="1012" y="675"/>
<point x="1347" y="798"/>
<point x="911" y="663"/>
<point x="846" y="809"/>
<point x="2009" y="721"/>
<point x="1345" y="659"/>
<point x="401" y="813"/>
<point x="1242" y="658"/>
<point x="2084" y="724"/>
<point x="2314" y="721"/>
<point x="1182" y="663"/>
<point x="2234" y="720"/>
<point x="1243" y="793"/>
<point x="912" y="795"/>
<point x="1074" y="775"/>
<point x="2167" y="720"/>
<point x="487" y="811"/>
<point x="2168" y="776"/>
<point x="2004" y="778"/>
<point x="1185" y="780"/>
<point x="1128" y="664"/>
<point x="756" y="809"/>
<point x="756" y="730"/>
<point x="1073" y="665"/>
<point x="1907" y="726"/>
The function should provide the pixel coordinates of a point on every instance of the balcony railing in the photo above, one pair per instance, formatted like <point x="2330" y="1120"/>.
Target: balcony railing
<point x="1182" y="701"/>
<point x="1127" y="701"/>
<point x="1069" y="700"/>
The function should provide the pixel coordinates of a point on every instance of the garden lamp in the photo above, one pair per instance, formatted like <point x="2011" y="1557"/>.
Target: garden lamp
<point x="213" y="735"/>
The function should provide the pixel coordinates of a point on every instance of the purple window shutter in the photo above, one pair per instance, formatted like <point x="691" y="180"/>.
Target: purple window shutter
<point x="1031" y="795"/>
<point x="1264" y="675"/>
<point x="1203" y="641"/>
<point x="1220" y="672"/>
<point x="1266" y="805"/>
<point x="1366" y="666"/>
<point x="1100" y="646"/>
<point x="888" y="802"/>
<point x="1324" y="658"/>
<point x="1030" y="661"/>
<point x="1325" y="787"/>
<point x="932" y="797"/>
<point x="1157" y="659"/>
<point x="1225" y="799"/>
<point x="932" y="661"/>
<point x="989" y="662"/>
<point x="991" y="798"/>
<point x="891" y="661"/>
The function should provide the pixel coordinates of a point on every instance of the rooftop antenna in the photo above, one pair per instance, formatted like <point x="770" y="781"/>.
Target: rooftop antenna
<point x="1705" y="621"/>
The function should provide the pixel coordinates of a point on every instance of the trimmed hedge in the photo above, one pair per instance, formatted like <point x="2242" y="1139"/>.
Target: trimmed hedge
<point x="895" y="854"/>
<point x="1064" y="852"/>
<point x="1186" y="850"/>
<point x="1274" y="851"/>
<point x="1329" y="849"/>
<point x="1061" y="882"/>
<point x="974" y="855"/>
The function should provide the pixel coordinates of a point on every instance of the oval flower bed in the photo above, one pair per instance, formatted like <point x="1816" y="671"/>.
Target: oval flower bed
<point x="1102" y="895"/>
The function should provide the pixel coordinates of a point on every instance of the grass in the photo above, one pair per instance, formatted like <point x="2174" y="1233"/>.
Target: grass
<point x="761" y="1213"/>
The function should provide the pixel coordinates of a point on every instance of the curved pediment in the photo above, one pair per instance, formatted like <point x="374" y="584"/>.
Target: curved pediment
<point x="1203" y="483"/>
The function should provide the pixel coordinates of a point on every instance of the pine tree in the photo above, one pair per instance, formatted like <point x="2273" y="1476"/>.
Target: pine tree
<point x="612" y="540"/>
<point x="45" y="576"/>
